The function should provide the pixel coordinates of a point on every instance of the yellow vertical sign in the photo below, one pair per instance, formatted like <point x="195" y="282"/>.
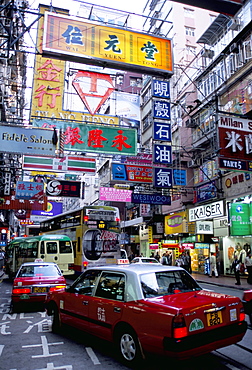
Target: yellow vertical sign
<point x="150" y="234"/>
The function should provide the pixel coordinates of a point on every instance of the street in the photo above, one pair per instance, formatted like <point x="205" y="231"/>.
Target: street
<point x="27" y="343"/>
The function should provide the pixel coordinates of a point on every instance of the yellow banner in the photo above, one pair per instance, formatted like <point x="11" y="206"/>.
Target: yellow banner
<point x="96" y="43"/>
<point x="176" y="223"/>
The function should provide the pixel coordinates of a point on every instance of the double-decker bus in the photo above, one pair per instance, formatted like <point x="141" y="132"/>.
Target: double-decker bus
<point x="49" y="248"/>
<point x="94" y="231"/>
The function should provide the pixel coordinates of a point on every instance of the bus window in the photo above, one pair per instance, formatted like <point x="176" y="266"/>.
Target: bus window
<point x="65" y="247"/>
<point x="42" y="248"/>
<point x="51" y="248"/>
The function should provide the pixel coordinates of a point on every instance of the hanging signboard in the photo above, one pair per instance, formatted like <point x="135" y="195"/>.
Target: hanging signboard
<point x="91" y="138"/>
<point x="99" y="44"/>
<point x="29" y="140"/>
<point x="61" y="188"/>
<point x="67" y="163"/>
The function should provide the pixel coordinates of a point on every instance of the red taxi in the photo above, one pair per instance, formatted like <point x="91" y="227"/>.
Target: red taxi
<point x="148" y="308"/>
<point x="34" y="280"/>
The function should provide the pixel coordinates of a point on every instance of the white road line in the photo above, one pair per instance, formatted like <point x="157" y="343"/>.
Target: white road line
<point x="1" y="348"/>
<point x="92" y="355"/>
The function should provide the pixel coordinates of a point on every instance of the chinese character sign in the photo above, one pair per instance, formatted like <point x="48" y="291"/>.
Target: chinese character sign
<point x="161" y="89"/>
<point x="29" y="190"/>
<point x="162" y="154"/>
<point x="80" y="41"/>
<point x="96" y="138"/>
<point x="162" y="178"/>
<point x="161" y="131"/>
<point x="235" y="138"/>
<point x="161" y="109"/>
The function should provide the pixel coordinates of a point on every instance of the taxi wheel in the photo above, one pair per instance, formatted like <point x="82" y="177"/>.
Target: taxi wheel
<point x="56" y="323"/>
<point x="128" y="346"/>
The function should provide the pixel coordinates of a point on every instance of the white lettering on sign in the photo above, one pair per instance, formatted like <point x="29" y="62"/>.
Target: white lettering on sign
<point x="206" y="211"/>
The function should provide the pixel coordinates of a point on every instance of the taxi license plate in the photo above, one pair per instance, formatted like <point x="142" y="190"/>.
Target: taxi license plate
<point x="39" y="289"/>
<point x="214" y="318"/>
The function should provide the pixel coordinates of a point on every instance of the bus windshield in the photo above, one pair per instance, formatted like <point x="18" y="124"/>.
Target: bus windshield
<point x="49" y="248"/>
<point x="94" y="231"/>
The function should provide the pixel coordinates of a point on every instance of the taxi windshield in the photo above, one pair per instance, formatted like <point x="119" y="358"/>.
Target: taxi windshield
<point x="38" y="270"/>
<point x="167" y="282"/>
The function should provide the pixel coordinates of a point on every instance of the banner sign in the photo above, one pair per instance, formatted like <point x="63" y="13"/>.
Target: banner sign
<point x="67" y="163"/>
<point x="161" y="89"/>
<point x="175" y="223"/>
<point x="161" y="109"/>
<point x="205" y="192"/>
<point x="99" y="44"/>
<point x="162" y="178"/>
<point x="179" y="177"/>
<point x="115" y="195"/>
<point x="29" y="140"/>
<point x="81" y="137"/>
<point x="155" y="198"/>
<point x="61" y="188"/>
<point x="204" y="227"/>
<point x="53" y="209"/>
<point x="10" y="202"/>
<point x="235" y="142"/>
<point x="235" y="164"/>
<point x="162" y="154"/>
<point x="133" y="173"/>
<point x="162" y="131"/>
<point x="240" y="216"/>
<point x="29" y="190"/>
<point x="207" y="211"/>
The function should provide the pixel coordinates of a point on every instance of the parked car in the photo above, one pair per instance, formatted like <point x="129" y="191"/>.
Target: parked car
<point x="34" y="280"/>
<point x="145" y="260"/>
<point x="247" y="303"/>
<point x="148" y="308"/>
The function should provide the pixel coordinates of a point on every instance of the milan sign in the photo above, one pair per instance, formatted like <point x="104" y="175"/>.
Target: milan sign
<point x="235" y="143"/>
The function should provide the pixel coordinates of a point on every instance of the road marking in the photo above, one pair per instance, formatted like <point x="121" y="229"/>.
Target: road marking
<point x="92" y="355"/>
<point x="1" y="348"/>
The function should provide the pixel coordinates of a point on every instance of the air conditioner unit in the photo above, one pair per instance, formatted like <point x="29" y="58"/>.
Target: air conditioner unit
<point x="193" y="163"/>
<point x="234" y="24"/>
<point x="207" y="53"/>
<point x="234" y="48"/>
<point x="190" y="123"/>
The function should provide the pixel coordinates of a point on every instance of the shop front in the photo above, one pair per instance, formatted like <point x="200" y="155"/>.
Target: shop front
<point x="206" y="241"/>
<point x="239" y="241"/>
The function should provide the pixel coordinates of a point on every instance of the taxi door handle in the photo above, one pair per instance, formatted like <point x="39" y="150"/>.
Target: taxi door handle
<point x="117" y="309"/>
<point x="85" y="303"/>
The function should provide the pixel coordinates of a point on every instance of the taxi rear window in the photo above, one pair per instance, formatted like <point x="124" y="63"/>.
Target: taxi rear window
<point x="167" y="282"/>
<point x="38" y="270"/>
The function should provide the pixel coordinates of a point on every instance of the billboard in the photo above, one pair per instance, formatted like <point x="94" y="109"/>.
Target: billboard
<point x="115" y="195"/>
<point x="67" y="163"/>
<point x="61" y="188"/>
<point x="70" y="38"/>
<point x="95" y="138"/>
<point x="16" y="139"/>
<point x="133" y="173"/>
<point x="235" y="142"/>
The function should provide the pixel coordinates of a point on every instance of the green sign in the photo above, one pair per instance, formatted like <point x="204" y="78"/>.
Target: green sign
<point x="239" y="219"/>
<point x="81" y="137"/>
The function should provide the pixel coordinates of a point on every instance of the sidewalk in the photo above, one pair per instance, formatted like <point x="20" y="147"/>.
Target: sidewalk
<point x="225" y="281"/>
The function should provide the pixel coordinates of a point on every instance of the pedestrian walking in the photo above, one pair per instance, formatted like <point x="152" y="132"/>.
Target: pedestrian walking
<point x="248" y="265"/>
<point x="213" y="267"/>
<point x="236" y="266"/>
<point x="157" y="257"/>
